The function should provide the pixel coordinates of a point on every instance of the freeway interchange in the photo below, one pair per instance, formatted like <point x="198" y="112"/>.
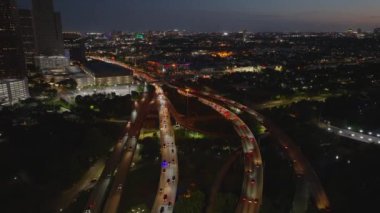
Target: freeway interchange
<point x="106" y="195"/>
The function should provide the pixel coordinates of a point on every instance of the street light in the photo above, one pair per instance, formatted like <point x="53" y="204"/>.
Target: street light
<point x="187" y="101"/>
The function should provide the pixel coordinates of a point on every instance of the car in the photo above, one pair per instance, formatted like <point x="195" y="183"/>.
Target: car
<point x="120" y="187"/>
<point x="163" y="170"/>
<point x="168" y="180"/>
<point x="256" y="201"/>
<point x="173" y="178"/>
<point x="165" y="197"/>
<point x="162" y="209"/>
<point x="161" y="190"/>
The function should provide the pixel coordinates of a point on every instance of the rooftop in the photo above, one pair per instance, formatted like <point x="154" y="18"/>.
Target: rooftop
<point x="101" y="69"/>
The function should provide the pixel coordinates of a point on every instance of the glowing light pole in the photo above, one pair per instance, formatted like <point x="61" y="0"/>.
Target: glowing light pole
<point x="187" y="101"/>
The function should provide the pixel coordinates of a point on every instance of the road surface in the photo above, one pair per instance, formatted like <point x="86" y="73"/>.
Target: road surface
<point x="252" y="189"/>
<point x="113" y="199"/>
<point x="86" y="181"/>
<point x="219" y="179"/>
<point x="354" y="135"/>
<point x="98" y="195"/>
<point x="167" y="191"/>
<point x="301" y="166"/>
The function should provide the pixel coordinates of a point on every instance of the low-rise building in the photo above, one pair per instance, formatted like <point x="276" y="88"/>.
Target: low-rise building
<point x="13" y="90"/>
<point x="51" y="62"/>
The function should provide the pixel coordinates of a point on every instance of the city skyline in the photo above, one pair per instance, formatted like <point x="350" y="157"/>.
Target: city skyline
<point x="211" y="106"/>
<point x="211" y="15"/>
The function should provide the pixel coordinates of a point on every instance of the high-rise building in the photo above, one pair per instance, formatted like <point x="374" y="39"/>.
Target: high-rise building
<point x="48" y="28"/>
<point x="27" y="36"/>
<point x="376" y="31"/>
<point x="74" y="43"/>
<point x="12" y="60"/>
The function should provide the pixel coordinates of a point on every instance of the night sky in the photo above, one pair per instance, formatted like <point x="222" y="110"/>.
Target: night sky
<point x="217" y="15"/>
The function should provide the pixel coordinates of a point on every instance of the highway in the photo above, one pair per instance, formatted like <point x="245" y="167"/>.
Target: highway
<point x="189" y="122"/>
<point x="98" y="196"/>
<point x="301" y="165"/>
<point x="166" y="194"/>
<point x="219" y="180"/>
<point x="253" y="179"/>
<point x="136" y="72"/>
<point x="252" y="189"/>
<point x="167" y="189"/>
<point x="86" y="182"/>
<point x="360" y="135"/>
<point x="113" y="200"/>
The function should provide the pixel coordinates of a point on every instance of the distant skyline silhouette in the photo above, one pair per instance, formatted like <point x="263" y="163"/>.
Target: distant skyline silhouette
<point x="217" y="15"/>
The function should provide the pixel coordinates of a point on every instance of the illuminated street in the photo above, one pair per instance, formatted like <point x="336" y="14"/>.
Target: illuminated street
<point x="166" y="194"/>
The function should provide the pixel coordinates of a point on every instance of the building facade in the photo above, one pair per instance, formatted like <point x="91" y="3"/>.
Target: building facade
<point x="376" y="31"/>
<point x="13" y="90"/>
<point x="12" y="60"/>
<point x="51" y="62"/>
<point x="27" y="37"/>
<point x="48" y="28"/>
<point x="74" y="43"/>
<point x="113" y="80"/>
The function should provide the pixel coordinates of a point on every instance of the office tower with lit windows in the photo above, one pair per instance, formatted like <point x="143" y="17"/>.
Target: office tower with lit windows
<point x="27" y="37"/>
<point x="12" y="60"/>
<point x="48" y="28"/>
<point x="13" y="82"/>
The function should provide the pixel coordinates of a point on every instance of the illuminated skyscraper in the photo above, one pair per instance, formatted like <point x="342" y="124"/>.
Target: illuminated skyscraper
<point x="48" y="28"/>
<point x="12" y="61"/>
<point x="27" y="37"/>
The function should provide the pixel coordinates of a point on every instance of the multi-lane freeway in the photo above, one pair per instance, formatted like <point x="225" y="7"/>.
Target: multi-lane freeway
<point x="167" y="191"/>
<point x="117" y="166"/>
<point x="113" y="200"/>
<point x="252" y="185"/>
<point x="251" y="196"/>
<point x="360" y="135"/>
<point x="99" y="192"/>
<point x="301" y="165"/>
